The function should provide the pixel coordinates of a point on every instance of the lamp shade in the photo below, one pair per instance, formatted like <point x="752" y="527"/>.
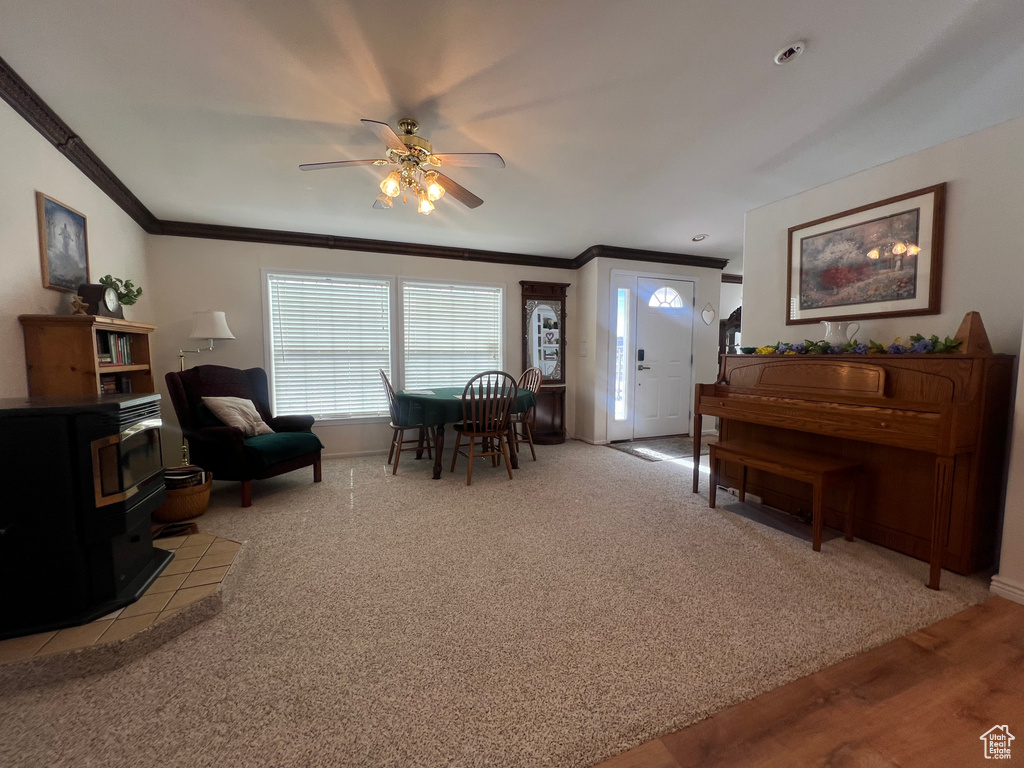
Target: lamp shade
<point x="210" y="324"/>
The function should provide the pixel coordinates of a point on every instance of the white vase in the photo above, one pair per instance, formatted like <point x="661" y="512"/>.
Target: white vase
<point x="838" y="334"/>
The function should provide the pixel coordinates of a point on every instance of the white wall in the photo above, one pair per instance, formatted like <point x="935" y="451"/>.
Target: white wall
<point x="593" y="399"/>
<point x="1009" y="582"/>
<point x="586" y="332"/>
<point x="116" y="244"/>
<point x="193" y="274"/>
<point x="984" y="244"/>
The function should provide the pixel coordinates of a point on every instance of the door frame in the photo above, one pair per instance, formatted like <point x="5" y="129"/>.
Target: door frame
<point x="623" y="430"/>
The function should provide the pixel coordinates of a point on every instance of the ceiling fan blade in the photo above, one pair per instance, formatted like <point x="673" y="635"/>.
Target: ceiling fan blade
<point x="471" y="160"/>
<point x="459" y="192"/>
<point x="386" y="134"/>
<point x="337" y="164"/>
<point x="379" y="205"/>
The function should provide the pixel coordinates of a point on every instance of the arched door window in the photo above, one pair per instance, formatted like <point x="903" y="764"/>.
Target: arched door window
<point x="665" y="298"/>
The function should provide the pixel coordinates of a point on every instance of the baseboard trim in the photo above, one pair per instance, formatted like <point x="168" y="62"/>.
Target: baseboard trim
<point x="1004" y="587"/>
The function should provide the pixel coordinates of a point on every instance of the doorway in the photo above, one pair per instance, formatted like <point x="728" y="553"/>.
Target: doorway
<point x="652" y="371"/>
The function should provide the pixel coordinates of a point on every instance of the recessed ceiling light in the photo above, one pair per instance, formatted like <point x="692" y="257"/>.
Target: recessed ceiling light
<point x="790" y="52"/>
<point x="698" y="238"/>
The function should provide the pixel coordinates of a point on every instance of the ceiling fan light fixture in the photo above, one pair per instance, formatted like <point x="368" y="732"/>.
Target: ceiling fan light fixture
<point x="434" y="189"/>
<point x="425" y="206"/>
<point x="413" y="174"/>
<point x="391" y="185"/>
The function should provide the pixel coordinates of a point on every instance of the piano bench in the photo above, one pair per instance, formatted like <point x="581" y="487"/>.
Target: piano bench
<point x="819" y="471"/>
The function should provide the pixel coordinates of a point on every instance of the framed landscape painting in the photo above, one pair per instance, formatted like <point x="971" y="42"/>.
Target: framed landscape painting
<point x="63" y="245"/>
<point x="879" y="260"/>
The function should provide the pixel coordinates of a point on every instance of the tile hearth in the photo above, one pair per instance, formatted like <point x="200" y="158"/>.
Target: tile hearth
<point x="201" y="561"/>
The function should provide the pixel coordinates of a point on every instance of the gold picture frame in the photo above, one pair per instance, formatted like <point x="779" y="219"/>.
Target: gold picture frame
<point x="63" y="245"/>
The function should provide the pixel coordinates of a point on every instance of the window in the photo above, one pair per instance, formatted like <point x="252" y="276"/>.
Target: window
<point x="450" y="332"/>
<point x="621" y="352"/>
<point x="665" y="298"/>
<point x="329" y="335"/>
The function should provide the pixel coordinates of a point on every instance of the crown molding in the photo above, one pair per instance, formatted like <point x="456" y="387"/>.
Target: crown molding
<point x="638" y="254"/>
<point x="737" y="279"/>
<point x="338" y="242"/>
<point x="37" y="113"/>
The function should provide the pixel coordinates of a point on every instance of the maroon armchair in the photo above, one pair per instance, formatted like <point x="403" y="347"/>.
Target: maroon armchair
<point x="226" y="451"/>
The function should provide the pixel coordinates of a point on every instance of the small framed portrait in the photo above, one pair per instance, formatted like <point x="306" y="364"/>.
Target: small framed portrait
<point x="63" y="245"/>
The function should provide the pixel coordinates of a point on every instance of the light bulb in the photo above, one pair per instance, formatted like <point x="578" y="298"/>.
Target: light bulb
<point x="913" y="250"/>
<point x="434" y="189"/>
<point x="425" y="205"/>
<point x="384" y="200"/>
<point x="899" y="248"/>
<point x="873" y="253"/>
<point x="391" y="185"/>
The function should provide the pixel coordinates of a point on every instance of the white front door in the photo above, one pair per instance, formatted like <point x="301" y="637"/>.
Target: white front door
<point x="663" y="360"/>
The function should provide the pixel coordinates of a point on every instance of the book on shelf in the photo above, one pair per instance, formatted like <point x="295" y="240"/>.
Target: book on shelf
<point x="124" y="350"/>
<point x="111" y="384"/>
<point x="113" y="348"/>
<point x="104" y="355"/>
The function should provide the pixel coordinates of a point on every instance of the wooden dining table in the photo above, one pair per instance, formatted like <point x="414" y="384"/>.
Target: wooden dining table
<point x="437" y="406"/>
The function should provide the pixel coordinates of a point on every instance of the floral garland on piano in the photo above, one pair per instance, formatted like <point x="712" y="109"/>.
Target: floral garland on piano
<point x="919" y="345"/>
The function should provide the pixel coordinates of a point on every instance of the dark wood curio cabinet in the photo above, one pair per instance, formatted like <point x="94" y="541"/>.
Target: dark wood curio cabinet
<point x="544" y="348"/>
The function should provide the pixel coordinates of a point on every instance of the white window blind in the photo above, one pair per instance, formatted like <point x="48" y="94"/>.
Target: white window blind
<point x="329" y="336"/>
<point x="451" y="333"/>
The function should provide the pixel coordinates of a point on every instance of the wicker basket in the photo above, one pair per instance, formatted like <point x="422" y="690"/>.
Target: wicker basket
<point x="185" y="503"/>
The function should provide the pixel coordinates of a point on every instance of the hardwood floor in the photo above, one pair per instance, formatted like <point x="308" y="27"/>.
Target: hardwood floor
<point x="922" y="700"/>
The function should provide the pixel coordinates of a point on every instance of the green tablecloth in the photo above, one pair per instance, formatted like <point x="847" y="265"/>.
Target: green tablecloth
<point x="444" y="405"/>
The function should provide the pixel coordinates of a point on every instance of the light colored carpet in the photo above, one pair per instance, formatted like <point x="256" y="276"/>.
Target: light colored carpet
<point x="554" y="620"/>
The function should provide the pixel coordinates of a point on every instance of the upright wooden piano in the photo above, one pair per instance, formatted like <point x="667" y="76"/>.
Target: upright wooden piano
<point x="930" y="431"/>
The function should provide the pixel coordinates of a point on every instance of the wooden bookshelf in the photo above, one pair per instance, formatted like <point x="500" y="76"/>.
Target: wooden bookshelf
<point x="86" y="355"/>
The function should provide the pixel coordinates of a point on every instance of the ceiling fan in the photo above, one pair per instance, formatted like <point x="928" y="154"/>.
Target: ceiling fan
<point x="417" y="164"/>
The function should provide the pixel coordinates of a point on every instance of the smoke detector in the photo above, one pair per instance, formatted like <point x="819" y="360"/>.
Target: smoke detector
<point x="790" y="52"/>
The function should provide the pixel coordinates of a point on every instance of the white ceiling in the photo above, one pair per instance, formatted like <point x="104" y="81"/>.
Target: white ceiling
<point x="635" y="124"/>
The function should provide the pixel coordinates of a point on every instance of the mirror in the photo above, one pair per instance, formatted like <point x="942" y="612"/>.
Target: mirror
<point x="544" y="342"/>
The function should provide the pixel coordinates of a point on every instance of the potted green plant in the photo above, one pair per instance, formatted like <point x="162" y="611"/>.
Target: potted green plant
<point x="127" y="292"/>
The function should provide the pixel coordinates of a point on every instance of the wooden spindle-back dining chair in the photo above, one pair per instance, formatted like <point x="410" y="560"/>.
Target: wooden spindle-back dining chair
<point x="425" y="439"/>
<point x="531" y="380"/>
<point x="487" y="404"/>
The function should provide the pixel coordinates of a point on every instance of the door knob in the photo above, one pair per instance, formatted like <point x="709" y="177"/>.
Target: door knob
<point x="643" y="367"/>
